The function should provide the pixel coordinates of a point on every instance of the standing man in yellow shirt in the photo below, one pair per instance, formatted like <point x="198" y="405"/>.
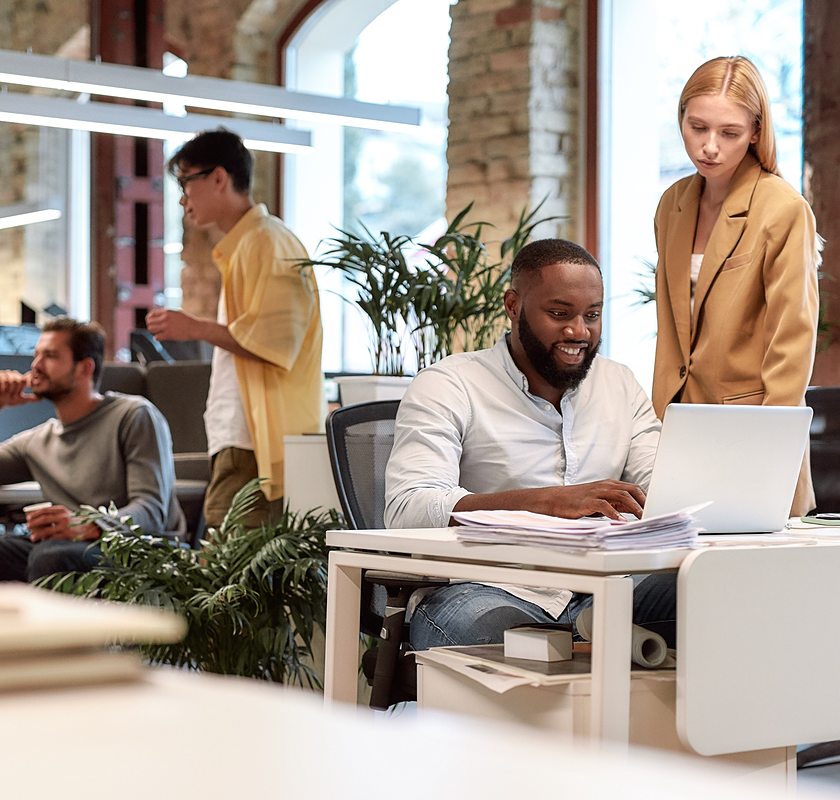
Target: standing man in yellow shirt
<point x="266" y="377"/>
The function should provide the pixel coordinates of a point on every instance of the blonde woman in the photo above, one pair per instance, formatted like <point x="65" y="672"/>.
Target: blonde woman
<point x="736" y="281"/>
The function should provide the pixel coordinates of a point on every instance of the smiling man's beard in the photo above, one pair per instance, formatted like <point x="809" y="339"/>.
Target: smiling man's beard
<point x="542" y="359"/>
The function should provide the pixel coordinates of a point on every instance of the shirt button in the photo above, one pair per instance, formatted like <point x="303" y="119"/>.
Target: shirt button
<point x="682" y="372"/>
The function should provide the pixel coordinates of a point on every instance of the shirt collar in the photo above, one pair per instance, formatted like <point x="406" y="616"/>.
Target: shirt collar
<point x="224" y="250"/>
<point x="502" y="349"/>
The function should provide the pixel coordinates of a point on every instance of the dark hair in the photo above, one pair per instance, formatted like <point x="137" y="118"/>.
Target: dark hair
<point x="87" y="340"/>
<point x="217" y="148"/>
<point x="545" y="252"/>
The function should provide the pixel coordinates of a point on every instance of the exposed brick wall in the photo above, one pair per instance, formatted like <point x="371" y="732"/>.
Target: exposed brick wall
<point x="12" y="190"/>
<point x="40" y="25"/>
<point x="514" y="108"/>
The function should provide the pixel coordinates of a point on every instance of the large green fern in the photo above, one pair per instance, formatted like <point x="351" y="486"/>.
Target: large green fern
<point x="252" y="598"/>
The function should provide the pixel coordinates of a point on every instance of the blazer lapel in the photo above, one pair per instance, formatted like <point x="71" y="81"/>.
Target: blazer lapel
<point x="680" y="241"/>
<point x="727" y="231"/>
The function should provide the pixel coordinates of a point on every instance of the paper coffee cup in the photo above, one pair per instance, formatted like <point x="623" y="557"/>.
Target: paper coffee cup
<point x="37" y="506"/>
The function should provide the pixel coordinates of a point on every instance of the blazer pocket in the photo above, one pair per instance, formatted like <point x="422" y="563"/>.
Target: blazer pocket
<point x="745" y="399"/>
<point x="736" y="261"/>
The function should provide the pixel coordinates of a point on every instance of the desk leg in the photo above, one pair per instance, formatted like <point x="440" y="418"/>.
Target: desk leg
<point x="612" y="616"/>
<point x="341" y="679"/>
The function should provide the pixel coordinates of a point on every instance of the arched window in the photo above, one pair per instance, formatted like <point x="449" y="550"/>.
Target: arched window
<point x="387" y="51"/>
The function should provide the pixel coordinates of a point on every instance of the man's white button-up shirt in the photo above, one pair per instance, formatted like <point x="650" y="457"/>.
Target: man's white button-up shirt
<point x="469" y="424"/>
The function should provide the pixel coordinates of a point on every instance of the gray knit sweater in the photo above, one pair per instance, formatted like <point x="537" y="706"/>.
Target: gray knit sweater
<point x="120" y="452"/>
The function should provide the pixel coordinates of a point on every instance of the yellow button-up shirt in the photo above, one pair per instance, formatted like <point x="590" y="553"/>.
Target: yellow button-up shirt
<point x="273" y="312"/>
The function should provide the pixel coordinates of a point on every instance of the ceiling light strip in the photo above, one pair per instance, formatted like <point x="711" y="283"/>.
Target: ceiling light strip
<point x="126" y="120"/>
<point x="218" y="94"/>
<point x="16" y="220"/>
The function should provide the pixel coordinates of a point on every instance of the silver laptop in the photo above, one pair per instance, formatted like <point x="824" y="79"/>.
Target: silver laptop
<point x="745" y="459"/>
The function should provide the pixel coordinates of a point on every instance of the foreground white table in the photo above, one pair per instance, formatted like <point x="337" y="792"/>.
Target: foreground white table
<point x="436" y="552"/>
<point x="182" y="735"/>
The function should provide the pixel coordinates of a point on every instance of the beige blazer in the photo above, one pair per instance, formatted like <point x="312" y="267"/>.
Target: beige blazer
<point x="752" y="334"/>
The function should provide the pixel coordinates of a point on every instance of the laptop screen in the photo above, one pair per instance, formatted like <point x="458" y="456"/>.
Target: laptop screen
<point x="744" y="459"/>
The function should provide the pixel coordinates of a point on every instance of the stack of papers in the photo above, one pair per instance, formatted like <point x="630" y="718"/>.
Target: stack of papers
<point x="678" y="529"/>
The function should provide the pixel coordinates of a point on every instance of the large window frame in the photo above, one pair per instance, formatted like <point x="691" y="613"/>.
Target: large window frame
<point x="313" y="59"/>
<point x="631" y="111"/>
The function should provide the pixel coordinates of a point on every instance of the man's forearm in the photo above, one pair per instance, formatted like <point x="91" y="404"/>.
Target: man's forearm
<point x="179" y="326"/>
<point x="218" y="335"/>
<point x="539" y="501"/>
<point x="610" y="498"/>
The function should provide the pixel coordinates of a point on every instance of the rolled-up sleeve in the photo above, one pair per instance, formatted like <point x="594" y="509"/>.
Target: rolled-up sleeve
<point x="277" y="301"/>
<point x="422" y="477"/>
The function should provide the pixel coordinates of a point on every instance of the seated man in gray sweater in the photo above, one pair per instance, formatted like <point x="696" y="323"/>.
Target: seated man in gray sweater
<point x="101" y="449"/>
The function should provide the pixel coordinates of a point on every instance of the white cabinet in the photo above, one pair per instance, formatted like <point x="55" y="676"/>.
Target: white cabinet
<point x="307" y="475"/>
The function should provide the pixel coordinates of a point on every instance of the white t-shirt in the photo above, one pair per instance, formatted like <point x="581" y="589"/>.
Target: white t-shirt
<point x="224" y="418"/>
<point x="696" y="263"/>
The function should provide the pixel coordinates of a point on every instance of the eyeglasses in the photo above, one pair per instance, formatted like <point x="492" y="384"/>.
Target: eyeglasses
<point x="183" y="180"/>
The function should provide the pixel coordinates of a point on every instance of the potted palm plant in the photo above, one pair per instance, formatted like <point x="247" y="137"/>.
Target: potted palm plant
<point x="448" y="297"/>
<point x="252" y="598"/>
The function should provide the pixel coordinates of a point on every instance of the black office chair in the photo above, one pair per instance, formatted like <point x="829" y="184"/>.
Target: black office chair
<point x="179" y="389"/>
<point x="825" y="473"/>
<point x="127" y="378"/>
<point x="825" y="445"/>
<point x="359" y="438"/>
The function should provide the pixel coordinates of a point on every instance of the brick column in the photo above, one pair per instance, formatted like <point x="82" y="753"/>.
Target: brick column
<point x="821" y="118"/>
<point x="515" y="111"/>
<point x="13" y="175"/>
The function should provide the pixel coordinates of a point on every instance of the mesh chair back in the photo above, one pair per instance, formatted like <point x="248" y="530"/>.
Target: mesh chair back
<point x="360" y="438"/>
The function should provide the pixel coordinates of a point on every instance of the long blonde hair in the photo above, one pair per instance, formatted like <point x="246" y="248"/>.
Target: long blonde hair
<point x="738" y="79"/>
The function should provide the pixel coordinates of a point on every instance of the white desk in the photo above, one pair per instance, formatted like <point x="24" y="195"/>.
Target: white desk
<point x="437" y="553"/>
<point x="737" y="602"/>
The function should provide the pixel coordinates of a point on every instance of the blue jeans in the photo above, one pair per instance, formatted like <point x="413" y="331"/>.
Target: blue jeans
<point x="23" y="560"/>
<point x="472" y="613"/>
